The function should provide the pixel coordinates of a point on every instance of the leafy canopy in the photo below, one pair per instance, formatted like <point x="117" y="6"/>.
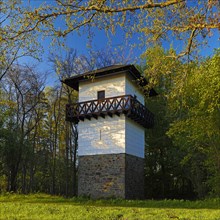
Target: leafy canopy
<point x="170" y="20"/>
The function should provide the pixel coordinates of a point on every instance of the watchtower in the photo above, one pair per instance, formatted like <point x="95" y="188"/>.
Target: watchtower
<point x="111" y="118"/>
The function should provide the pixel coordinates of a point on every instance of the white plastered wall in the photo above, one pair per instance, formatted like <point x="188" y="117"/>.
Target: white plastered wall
<point x="132" y="89"/>
<point x="134" y="133"/>
<point x="113" y="86"/>
<point x="110" y="135"/>
<point x="102" y="136"/>
<point x="134" y="138"/>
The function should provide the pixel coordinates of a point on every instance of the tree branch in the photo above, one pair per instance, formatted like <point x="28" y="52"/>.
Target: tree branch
<point x="189" y="46"/>
<point x="97" y="8"/>
<point x="130" y="8"/>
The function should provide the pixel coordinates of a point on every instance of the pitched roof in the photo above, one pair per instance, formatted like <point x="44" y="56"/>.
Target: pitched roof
<point x="73" y="81"/>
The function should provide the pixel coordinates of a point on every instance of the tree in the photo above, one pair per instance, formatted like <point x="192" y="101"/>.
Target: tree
<point x="24" y="88"/>
<point x="12" y="49"/>
<point x="165" y="177"/>
<point x="195" y="103"/>
<point x="185" y="21"/>
<point x="72" y="63"/>
<point x="183" y="148"/>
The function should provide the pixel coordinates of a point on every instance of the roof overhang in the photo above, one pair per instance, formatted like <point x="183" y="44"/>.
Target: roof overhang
<point x="73" y="81"/>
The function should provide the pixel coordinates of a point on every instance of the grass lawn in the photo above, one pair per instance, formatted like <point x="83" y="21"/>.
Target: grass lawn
<point x="40" y="206"/>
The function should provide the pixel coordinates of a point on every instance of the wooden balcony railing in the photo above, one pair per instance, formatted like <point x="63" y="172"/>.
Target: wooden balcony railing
<point x="126" y="104"/>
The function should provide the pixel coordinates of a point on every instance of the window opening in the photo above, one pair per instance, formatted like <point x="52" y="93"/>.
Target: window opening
<point x="101" y="94"/>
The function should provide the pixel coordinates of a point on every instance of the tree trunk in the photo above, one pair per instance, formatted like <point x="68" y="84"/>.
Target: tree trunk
<point x="24" y="174"/>
<point x="67" y="160"/>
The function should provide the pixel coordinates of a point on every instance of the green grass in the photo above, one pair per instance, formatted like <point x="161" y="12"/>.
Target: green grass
<point x="40" y="206"/>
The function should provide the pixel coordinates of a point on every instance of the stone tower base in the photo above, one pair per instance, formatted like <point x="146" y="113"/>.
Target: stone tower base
<point x="111" y="176"/>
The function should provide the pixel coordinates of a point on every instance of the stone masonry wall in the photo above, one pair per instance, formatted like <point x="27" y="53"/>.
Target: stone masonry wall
<point x="102" y="176"/>
<point x="134" y="177"/>
<point x="111" y="176"/>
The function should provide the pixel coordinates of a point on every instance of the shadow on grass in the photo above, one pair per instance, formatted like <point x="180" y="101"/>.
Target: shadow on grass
<point x="174" y="204"/>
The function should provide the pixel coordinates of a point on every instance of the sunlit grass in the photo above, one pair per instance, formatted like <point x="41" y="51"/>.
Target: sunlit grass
<point x="40" y="206"/>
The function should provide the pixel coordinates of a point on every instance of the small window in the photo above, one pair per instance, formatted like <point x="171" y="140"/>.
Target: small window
<point x="101" y="94"/>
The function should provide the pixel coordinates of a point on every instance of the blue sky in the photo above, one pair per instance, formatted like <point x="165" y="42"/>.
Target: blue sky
<point x="80" y="43"/>
<point x="99" y="41"/>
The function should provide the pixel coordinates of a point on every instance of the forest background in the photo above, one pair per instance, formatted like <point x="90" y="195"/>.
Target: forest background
<point x="38" y="148"/>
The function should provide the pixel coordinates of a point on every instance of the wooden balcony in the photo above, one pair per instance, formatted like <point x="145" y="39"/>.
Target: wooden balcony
<point x="126" y="104"/>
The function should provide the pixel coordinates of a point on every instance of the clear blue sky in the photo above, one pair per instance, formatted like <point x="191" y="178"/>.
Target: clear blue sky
<point x="100" y="41"/>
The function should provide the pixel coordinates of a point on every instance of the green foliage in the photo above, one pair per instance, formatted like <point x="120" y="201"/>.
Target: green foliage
<point x="182" y="152"/>
<point x="13" y="48"/>
<point x="197" y="129"/>
<point x="170" y="20"/>
<point x="164" y="177"/>
<point x="32" y="136"/>
<point x="161" y="69"/>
